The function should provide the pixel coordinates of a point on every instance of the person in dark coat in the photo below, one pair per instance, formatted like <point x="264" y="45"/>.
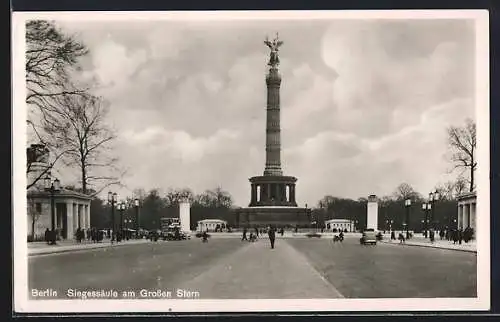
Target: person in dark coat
<point x="272" y="236"/>
<point x="47" y="236"/>
<point x="78" y="235"/>
<point x="244" y="235"/>
<point x="460" y="236"/>
<point x="256" y="232"/>
<point x="393" y="235"/>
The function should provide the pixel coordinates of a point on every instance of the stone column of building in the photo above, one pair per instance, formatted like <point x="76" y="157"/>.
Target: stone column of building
<point x="79" y="212"/>
<point x="466" y="215"/>
<point x="84" y="217"/>
<point x="292" y="193"/>
<point x="460" y="216"/>
<point x="273" y="135"/>
<point x="473" y="216"/>
<point x="87" y="212"/>
<point x="75" y="217"/>
<point x="69" y="218"/>
<point x="253" y="194"/>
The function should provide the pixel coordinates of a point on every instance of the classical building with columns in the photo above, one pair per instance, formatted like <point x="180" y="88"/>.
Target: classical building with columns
<point x="467" y="211"/>
<point x="272" y="197"/>
<point x="71" y="208"/>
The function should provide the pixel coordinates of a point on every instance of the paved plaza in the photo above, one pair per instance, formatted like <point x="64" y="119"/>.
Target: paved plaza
<point x="228" y="268"/>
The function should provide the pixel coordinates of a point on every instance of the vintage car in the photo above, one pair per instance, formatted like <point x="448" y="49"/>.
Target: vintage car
<point x="171" y="234"/>
<point x="369" y="237"/>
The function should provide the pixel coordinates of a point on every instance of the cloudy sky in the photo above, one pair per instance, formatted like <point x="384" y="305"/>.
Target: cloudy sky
<point x="364" y="103"/>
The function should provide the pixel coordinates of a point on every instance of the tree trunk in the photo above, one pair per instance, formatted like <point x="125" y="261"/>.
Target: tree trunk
<point x="471" y="188"/>
<point x="33" y="227"/>
<point x="84" y="179"/>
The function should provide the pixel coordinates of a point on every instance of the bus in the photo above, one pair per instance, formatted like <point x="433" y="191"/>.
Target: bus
<point x="169" y="223"/>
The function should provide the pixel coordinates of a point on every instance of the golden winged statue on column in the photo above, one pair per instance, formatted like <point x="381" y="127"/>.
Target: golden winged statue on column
<point x="274" y="46"/>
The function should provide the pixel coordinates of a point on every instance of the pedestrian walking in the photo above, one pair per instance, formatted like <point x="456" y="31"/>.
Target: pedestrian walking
<point x="431" y="236"/>
<point x="256" y="232"/>
<point x="272" y="236"/>
<point x="78" y="235"/>
<point x="460" y="236"/>
<point x="244" y="235"/>
<point x="393" y="235"/>
<point x="47" y="236"/>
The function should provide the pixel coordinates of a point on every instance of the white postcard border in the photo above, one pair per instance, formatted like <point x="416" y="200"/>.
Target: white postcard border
<point x="20" y="274"/>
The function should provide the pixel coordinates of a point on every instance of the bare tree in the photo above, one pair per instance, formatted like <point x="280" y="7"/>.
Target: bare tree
<point x="174" y="196"/>
<point x="34" y="216"/>
<point x="460" y="186"/>
<point x="41" y="159"/>
<point x="446" y="190"/>
<point x="79" y="128"/>
<point x="221" y="198"/>
<point x="462" y="143"/>
<point x="50" y="54"/>
<point x="404" y="191"/>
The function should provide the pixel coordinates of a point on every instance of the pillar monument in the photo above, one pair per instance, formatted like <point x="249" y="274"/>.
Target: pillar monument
<point x="372" y="213"/>
<point x="272" y="195"/>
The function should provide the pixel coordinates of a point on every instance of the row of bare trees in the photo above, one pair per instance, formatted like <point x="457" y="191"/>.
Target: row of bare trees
<point x="155" y="204"/>
<point x="65" y="117"/>
<point x="462" y="156"/>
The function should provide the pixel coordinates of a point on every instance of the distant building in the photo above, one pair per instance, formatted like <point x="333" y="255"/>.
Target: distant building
<point x="342" y="224"/>
<point x="211" y="224"/>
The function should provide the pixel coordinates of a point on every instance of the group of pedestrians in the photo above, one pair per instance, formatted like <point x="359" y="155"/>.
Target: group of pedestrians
<point x="50" y="236"/>
<point x="457" y="236"/>
<point x="271" y="232"/>
<point x="91" y="234"/>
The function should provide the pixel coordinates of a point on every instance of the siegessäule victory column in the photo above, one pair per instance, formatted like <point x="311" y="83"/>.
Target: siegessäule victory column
<point x="272" y="201"/>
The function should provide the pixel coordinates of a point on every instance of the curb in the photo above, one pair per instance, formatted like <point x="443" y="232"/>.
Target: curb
<point x="430" y="246"/>
<point x="76" y="249"/>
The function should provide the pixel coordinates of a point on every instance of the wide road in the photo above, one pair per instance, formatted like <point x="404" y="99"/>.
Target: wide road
<point x="229" y="268"/>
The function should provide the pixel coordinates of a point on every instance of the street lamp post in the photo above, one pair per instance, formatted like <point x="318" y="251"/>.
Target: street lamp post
<point x="112" y="198"/>
<point x="53" y="187"/>
<point x="408" y="205"/>
<point x="121" y="207"/>
<point x="433" y="197"/>
<point x="426" y="207"/>
<point x="127" y="222"/>
<point x="137" y="226"/>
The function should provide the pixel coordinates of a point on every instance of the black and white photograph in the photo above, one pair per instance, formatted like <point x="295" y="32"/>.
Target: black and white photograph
<point x="251" y="161"/>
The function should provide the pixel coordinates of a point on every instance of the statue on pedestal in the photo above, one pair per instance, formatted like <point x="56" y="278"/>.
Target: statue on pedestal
<point x="274" y="46"/>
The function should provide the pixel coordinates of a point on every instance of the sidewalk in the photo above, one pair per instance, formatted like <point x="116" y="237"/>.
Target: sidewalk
<point x="41" y="248"/>
<point x="420" y="241"/>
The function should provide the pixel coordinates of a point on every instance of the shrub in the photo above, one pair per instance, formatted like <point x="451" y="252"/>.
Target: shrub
<point x="310" y="235"/>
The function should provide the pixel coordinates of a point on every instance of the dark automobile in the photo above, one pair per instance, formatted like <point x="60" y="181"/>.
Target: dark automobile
<point x="369" y="237"/>
<point x="175" y="235"/>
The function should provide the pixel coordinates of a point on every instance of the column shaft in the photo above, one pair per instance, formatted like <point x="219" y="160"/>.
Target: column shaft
<point x="460" y="216"/>
<point x="69" y="218"/>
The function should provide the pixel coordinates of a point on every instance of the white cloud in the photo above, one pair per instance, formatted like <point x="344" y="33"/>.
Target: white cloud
<point x="364" y="104"/>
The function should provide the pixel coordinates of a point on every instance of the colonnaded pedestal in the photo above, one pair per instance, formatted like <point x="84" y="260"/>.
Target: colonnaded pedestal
<point x="272" y="200"/>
